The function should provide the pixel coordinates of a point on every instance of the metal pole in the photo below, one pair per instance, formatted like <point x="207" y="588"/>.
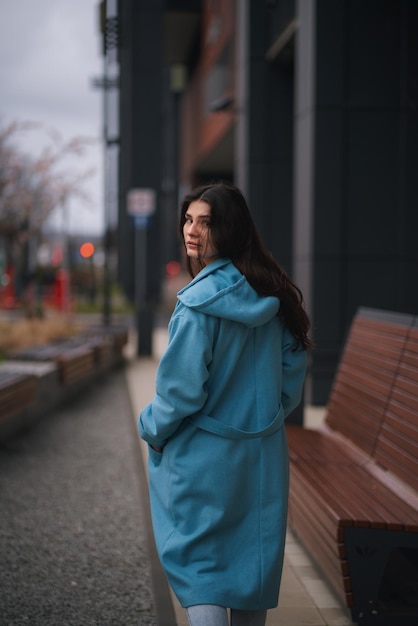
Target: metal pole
<point x="141" y="205"/>
<point x="109" y="80"/>
<point x="144" y="314"/>
<point x="106" y="243"/>
<point x="110" y="41"/>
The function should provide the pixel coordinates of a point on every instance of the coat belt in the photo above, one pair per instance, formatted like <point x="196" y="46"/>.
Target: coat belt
<point x="212" y="425"/>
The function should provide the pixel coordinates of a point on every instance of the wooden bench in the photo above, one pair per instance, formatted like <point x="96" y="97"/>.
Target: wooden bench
<point x="116" y="337"/>
<point x="35" y="379"/>
<point x="354" y="482"/>
<point x="82" y="358"/>
<point x="110" y="342"/>
<point x="76" y="363"/>
<point x="17" y="393"/>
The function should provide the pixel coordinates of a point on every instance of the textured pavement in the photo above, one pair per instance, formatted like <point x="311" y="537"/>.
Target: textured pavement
<point x="73" y="530"/>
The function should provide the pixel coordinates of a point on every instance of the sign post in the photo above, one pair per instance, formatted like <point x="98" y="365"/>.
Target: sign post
<point x="141" y="203"/>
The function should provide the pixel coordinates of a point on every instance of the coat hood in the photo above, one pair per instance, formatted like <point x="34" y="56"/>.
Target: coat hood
<point x="222" y="291"/>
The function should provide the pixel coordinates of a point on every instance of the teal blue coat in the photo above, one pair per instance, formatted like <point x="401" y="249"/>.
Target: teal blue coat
<point x="219" y="490"/>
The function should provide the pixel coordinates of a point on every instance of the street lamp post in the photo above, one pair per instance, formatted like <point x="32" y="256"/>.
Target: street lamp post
<point x="109" y="81"/>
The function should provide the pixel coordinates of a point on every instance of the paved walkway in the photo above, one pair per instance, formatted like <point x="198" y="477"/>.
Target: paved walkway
<point x="305" y="598"/>
<point x="73" y="526"/>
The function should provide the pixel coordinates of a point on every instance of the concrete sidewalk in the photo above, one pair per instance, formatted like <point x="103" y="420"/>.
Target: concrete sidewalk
<point x="305" y="598"/>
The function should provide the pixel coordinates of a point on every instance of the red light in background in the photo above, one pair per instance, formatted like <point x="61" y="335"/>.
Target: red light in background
<point x="87" y="250"/>
<point x="172" y="268"/>
<point x="56" y="257"/>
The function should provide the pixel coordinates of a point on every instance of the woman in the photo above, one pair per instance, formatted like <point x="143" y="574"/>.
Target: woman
<point x="233" y="370"/>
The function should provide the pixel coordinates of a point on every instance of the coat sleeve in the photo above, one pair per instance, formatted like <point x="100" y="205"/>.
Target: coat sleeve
<point x="293" y="372"/>
<point x="181" y="379"/>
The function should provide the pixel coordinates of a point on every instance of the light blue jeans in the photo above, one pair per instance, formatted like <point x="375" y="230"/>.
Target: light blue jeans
<point x="214" y="615"/>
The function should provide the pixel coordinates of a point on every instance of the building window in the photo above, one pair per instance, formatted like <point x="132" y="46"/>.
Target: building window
<point x="219" y="81"/>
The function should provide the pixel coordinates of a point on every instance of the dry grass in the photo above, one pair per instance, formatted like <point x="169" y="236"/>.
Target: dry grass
<point x="21" y="333"/>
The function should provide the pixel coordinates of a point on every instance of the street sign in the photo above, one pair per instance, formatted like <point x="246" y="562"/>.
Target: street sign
<point x="141" y="202"/>
<point x="142" y="221"/>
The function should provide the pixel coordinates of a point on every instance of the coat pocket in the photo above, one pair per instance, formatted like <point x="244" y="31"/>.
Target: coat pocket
<point x="154" y="457"/>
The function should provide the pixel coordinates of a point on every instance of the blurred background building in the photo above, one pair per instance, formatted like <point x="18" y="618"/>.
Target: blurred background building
<point x="310" y="106"/>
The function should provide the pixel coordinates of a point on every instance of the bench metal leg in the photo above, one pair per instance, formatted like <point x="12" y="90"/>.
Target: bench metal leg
<point x="383" y="568"/>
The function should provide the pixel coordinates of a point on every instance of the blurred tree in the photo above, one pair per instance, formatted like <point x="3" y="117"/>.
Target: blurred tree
<point x="31" y="188"/>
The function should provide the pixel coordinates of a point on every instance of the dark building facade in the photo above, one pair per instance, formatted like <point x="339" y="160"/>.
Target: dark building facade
<point x="356" y="144"/>
<point x="310" y="106"/>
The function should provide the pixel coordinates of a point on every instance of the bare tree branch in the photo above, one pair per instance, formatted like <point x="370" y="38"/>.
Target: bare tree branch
<point x="32" y="188"/>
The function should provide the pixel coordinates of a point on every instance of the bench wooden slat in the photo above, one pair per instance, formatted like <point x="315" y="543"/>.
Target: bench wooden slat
<point x="337" y="510"/>
<point x="401" y="418"/>
<point x="369" y="503"/>
<point x="403" y="437"/>
<point x="333" y="532"/>
<point x="75" y="365"/>
<point x="396" y="460"/>
<point x="364" y="378"/>
<point x="397" y="443"/>
<point x="309" y="524"/>
<point x="381" y="356"/>
<point x="382" y="326"/>
<point x="367" y="371"/>
<point x="371" y="396"/>
<point x="333" y="568"/>
<point x="378" y="504"/>
<point x="325" y="547"/>
<point x="17" y="393"/>
<point x="313" y="446"/>
<point x="405" y="399"/>
<point x="379" y="339"/>
<point x="359" y="422"/>
<point x="364" y="512"/>
<point x="407" y="380"/>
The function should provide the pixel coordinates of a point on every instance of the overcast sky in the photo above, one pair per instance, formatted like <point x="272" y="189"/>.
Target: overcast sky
<point x="49" y="52"/>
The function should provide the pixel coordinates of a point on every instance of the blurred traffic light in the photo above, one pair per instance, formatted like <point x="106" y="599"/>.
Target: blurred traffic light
<point x="87" y="250"/>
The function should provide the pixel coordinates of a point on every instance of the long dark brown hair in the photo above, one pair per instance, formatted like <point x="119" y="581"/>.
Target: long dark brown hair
<point x="234" y="235"/>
